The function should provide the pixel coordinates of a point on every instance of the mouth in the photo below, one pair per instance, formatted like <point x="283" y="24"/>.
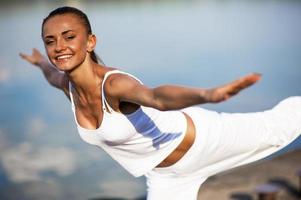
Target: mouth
<point x="63" y="57"/>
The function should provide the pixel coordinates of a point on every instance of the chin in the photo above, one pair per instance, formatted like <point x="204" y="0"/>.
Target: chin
<point x="66" y="68"/>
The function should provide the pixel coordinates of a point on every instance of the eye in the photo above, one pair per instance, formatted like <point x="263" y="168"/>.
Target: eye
<point x="70" y="37"/>
<point x="48" y="42"/>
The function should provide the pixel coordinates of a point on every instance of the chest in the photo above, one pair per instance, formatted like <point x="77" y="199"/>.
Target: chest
<point x="88" y="115"/>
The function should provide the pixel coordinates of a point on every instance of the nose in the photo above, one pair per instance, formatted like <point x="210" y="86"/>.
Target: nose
<point x="60" y="45"/>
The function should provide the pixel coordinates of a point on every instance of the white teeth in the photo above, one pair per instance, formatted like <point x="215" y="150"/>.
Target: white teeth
<point x="64" y="57"/>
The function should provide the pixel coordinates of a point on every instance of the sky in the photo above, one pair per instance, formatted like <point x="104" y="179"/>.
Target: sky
<point x="195" y="43"/>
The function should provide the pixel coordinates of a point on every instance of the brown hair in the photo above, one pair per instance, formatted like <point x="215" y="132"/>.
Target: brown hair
<point x="82" y="16"/>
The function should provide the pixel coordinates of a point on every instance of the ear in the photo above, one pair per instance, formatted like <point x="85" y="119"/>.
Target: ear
<point x="91" y="44"/>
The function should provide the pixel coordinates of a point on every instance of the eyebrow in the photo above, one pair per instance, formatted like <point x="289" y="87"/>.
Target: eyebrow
<point x="63" y="33"/>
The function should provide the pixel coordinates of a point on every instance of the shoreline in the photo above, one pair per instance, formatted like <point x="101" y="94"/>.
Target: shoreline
<point x="240" y="183"/>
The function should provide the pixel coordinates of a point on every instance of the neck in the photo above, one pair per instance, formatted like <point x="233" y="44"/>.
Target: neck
<point x="86" y="79"/>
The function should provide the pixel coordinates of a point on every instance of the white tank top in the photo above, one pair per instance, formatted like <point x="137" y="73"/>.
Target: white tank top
<point x="138" y="141"/>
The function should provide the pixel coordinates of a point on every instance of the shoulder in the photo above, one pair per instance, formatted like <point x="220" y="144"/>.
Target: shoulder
<point x="119" y="81"/>
<point x="120" y="78"/>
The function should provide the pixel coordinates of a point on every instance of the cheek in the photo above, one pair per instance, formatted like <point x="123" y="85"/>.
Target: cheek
<point x="80" y="48"/>
<point x="80" y="44"/>
<point x="50" y="56"/>
<point x="49" y="50"/>
<point x="48" y="53"/>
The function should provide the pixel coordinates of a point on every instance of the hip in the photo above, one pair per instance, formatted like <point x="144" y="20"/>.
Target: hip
<point x="183" y="147"/>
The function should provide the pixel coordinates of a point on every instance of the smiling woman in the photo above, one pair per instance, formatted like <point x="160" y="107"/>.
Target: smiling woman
<point x="70" y="32"/>
<point x="157" y="132"/>
<point x="67" y="41"/>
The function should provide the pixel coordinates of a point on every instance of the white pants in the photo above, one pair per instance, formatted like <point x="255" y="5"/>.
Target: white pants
<point x="224" y="141"/>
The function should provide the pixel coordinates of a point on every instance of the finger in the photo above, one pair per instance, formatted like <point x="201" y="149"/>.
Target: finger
<point x="35" y="51"/>
<point x="27" y="58"/>
<point x="24" y="56"/>
<point x="234" y="87"/>
<point x="242" y="83"/>
<point x="252" y="78"/>
<point x="247" y="81"/>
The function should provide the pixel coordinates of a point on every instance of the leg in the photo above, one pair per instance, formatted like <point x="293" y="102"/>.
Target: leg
<point x="226" y="140"/>
<point x="162" y="185"/>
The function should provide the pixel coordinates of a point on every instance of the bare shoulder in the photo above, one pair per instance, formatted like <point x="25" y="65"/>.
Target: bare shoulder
<point x="120" y="79"/>
<point x="120" y="82"/>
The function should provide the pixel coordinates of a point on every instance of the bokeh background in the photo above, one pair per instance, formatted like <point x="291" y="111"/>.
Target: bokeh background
<point x="191" y="42"/>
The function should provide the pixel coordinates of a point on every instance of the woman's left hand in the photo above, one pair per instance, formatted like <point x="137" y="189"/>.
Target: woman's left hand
<point x="226" y="91"/>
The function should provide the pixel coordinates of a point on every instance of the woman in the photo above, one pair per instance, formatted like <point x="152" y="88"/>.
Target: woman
<point x="155" y="131"/>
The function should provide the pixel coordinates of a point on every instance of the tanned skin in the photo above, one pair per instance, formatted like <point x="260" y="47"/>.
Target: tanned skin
<point x="68" y="48"/>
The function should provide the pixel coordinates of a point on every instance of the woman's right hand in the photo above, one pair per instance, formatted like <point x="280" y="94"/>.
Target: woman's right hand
<point x="36" y="58"/>
<point x="52" y="75"/>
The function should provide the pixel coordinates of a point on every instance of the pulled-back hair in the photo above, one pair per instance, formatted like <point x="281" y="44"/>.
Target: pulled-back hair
<point x="81" y="15"/>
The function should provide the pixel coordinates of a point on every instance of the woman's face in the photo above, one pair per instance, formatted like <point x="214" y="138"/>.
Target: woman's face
<point x="66" y="41"/>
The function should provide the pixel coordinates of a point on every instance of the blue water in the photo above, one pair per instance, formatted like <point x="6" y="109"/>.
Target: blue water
<point x="194" y="43"/>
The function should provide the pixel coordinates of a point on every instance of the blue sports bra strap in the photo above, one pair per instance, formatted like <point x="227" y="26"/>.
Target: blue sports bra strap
<point x="104" y="101"/>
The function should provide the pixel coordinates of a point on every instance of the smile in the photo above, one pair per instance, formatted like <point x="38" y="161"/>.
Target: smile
<point x="63" y="57"/>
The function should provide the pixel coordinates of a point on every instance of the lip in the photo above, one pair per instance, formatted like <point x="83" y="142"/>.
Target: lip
<point x="63" y="57"/>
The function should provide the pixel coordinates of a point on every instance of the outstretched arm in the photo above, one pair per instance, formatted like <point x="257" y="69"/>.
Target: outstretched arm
<point x="171" y="97"/>
<point x="55" y="77"/>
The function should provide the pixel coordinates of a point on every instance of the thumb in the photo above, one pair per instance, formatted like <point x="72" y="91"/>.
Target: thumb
<point x="26" y="57"/>
<point x="22" y="55"/>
